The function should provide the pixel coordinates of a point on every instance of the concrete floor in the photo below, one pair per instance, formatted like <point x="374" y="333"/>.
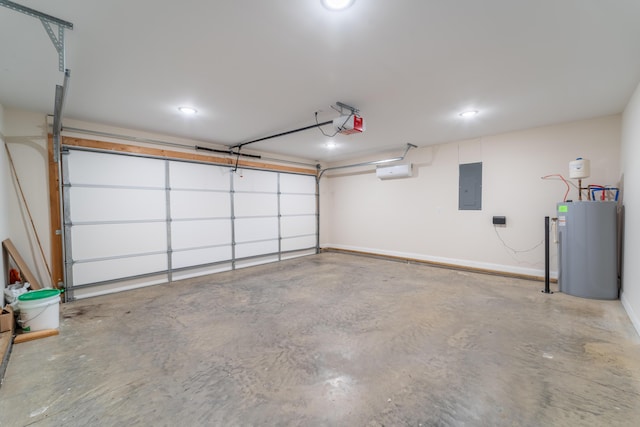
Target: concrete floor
<point x="330" y="340"/>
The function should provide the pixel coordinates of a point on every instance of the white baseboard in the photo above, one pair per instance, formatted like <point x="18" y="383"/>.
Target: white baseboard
<point x="499" y="268"/>
<point x="632" y="314"/>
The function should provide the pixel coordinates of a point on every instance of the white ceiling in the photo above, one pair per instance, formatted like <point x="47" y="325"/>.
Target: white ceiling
<point x="255" y="68"/>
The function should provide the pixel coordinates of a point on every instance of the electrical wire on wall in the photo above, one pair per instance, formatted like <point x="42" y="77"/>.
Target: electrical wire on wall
<point x="514" y="252"/>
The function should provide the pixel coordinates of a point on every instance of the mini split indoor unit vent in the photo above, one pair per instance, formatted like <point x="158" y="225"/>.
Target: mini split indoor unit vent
<point x="394" y="172"/>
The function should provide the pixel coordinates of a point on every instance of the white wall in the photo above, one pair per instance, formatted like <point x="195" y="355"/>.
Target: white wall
<point x="630" y="156"/>
<point x="418" y="217"/>
<point x="25" y="135"/>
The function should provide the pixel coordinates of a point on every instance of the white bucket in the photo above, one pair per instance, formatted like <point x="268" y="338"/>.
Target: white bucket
<point x="40" y="310"/>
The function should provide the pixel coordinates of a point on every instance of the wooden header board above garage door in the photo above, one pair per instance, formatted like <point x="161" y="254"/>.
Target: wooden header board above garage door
<point x="133" y="221"/>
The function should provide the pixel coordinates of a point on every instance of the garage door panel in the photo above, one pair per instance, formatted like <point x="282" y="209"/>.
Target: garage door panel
<point x="125" y="284"/>
<point x="251" y="229"/>
<point x="198" y="204"/>
<point x="297" y="225"/>
<point x="184" y="175"/>
<point x="243" y="263"/>
<point x="201" y="271"/>
<point x="200" y="256"/>
<point x="99" y="271"/>
<point x="114" y="170"/>
<point x="296" y="243"/>
<point x="116" y="204"/>
<point x="244" y="250"/>
<point x="298" y="254"/>
<point x="297" y="204"/>
<point x="290" y="183"/>
<point x="252" y="204"/>
<point x="255" y="181"/>
<point x="112" y="240"/>
<point x="194" y="234"/>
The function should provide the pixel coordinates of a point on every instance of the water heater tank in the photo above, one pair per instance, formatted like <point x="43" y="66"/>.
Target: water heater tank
<point x="587" y="252"/>
<point x="579" y="168"/>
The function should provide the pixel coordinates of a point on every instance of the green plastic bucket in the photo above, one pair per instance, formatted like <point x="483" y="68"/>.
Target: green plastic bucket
<point x="40" y="309"/>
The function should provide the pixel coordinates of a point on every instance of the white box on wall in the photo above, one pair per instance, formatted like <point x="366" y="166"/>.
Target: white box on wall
<point x="394" y="172"/>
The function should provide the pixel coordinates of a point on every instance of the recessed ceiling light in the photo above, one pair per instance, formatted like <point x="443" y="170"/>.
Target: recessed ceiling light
<point x="468" y="114"/>
<point x="187" y="110"/>
<point x="337" y="4"/>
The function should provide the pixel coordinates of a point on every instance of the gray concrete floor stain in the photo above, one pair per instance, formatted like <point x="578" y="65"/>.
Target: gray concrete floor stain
<point x="331" y="339"/>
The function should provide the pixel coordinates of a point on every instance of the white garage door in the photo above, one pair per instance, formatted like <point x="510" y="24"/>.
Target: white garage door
<point x="135" y="221"/>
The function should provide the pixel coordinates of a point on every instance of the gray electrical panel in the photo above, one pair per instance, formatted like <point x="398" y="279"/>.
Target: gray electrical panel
<point x="470" y="187"/>
<point x="588" y="249"/>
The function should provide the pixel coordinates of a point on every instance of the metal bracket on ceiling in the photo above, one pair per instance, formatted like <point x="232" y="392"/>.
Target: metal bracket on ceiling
<point x="58" y="42"/>
<point x="47" y="20"/>
<point x="343" y="106"/>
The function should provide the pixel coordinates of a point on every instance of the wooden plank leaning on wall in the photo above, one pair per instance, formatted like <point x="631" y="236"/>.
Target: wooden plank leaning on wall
<point x="27" y="275"/>
<point x="57" y="260"/>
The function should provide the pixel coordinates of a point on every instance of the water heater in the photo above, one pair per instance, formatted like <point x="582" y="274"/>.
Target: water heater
<point x="587" y="255"/>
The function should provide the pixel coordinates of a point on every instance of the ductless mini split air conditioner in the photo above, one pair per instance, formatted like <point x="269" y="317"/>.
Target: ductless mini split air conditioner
<point x="394" y="171"/>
